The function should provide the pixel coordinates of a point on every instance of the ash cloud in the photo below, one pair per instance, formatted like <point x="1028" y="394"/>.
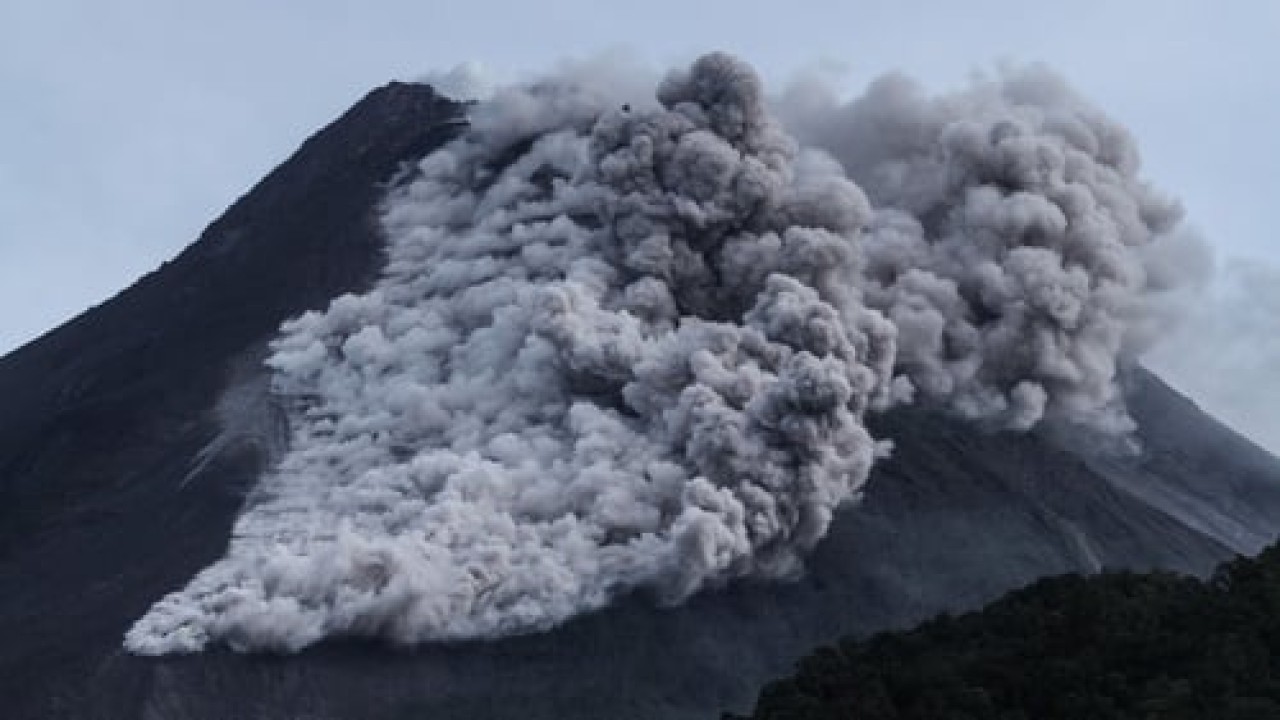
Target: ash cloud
<point x="1014" y="246"/>
<point x="1226" y="352"/>
<point x="628" y="344"/>
<point x="463" y="83"/>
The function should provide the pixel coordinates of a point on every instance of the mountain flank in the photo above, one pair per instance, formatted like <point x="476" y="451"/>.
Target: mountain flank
<point x="132" y="434"/>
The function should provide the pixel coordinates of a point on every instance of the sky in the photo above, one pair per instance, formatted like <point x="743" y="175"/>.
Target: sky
<point x="129" y="125"/>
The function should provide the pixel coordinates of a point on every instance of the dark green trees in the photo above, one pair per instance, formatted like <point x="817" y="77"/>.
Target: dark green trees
<point x="1114" y="646"/>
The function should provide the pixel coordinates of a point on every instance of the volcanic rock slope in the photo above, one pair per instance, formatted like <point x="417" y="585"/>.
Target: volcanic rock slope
<point x="130" y="436"/>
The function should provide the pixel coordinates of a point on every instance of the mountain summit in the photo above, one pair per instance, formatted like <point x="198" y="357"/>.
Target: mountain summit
<point x="136" y="435"/>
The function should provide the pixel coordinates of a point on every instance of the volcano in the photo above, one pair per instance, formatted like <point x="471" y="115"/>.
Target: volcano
<point x="134" y="436"/>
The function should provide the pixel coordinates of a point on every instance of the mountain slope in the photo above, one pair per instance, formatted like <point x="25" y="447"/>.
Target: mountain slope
<point x="104" y="415"/>
<point x="133" y="432"/>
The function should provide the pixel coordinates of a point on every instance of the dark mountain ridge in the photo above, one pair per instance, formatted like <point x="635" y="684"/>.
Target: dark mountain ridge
<point x="107" y="501"/>
<point x="1112" y="646"/>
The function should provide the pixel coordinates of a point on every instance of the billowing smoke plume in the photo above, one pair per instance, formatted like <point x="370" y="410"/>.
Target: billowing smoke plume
<point x="1013" y="243"/>
<point x="630" y="347"/>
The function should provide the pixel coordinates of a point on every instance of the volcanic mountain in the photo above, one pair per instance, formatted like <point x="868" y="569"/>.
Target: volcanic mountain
<point x="134" y="435"/>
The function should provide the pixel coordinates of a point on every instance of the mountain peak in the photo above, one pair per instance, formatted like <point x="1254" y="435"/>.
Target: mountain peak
<point x="120" y="480"/>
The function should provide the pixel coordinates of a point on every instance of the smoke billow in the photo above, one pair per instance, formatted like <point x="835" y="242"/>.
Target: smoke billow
<point x="626" y="346"/>
<point x="1013" y="244"/>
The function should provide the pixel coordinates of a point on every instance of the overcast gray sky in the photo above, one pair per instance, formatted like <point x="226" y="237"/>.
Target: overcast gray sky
<point x="128" y="125"/>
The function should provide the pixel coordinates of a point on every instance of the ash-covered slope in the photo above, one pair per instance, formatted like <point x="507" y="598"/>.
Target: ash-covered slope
<point x="104" y="417"/>
<point x="107" y="502"/>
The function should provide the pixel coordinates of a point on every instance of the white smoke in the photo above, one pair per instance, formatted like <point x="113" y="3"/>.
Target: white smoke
<point x="1226" y="352"/>
<point x="466" y="82"/>
<point x="622" y="345"/>
<point x="1014" y="246"/>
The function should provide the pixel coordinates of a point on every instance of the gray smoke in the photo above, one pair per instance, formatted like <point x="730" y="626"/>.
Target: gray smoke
<point x="626" y="346"/>
<point x="1226" y="352"/>
<point x="1014" y="246"/>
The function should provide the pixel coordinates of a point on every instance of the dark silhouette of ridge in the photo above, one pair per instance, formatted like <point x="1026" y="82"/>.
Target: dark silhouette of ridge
<point x="118" y="483"/>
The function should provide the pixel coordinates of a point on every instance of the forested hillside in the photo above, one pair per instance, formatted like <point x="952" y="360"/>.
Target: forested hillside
<point x="1112" y="646"/>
